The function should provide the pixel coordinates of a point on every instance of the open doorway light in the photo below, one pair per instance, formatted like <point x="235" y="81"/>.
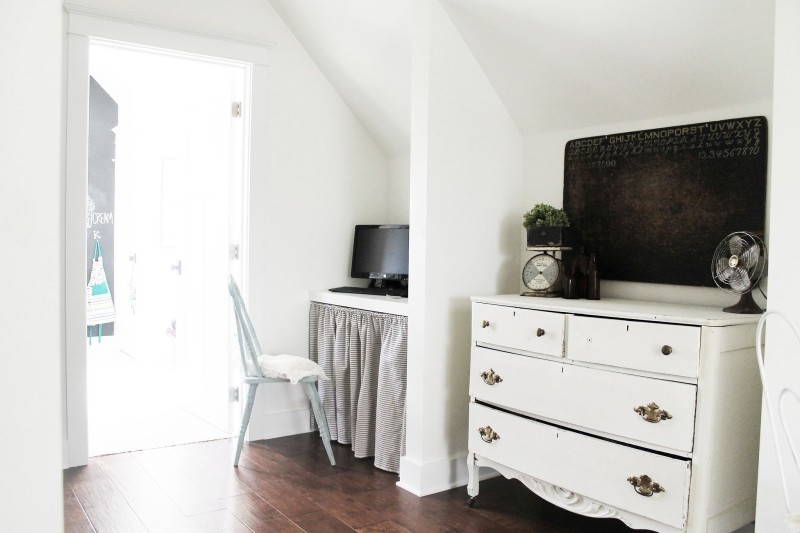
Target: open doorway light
<point x="165" y="175"/>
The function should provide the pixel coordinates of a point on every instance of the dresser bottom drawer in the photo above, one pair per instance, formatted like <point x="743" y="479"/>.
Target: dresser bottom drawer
<point x="596" y="468"/>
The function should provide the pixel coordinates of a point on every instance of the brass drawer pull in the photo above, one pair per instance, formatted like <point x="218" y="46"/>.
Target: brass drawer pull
<point x="666" y="349"/>
<point x="485" y="324"/>
<point x="539" y="332"/>
<point x="644" y="485"/>
<point x="652" y="413"/>
<point x="490" y="377"/>
<point x="488" y="434"/>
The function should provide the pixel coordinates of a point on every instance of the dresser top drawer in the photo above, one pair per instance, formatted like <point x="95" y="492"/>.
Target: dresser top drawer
<point x="648" y="346"/>
<point x="528" y="330"/>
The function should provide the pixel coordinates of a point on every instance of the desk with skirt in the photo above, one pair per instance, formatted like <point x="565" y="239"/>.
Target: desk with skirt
<point x="361" y="343"/>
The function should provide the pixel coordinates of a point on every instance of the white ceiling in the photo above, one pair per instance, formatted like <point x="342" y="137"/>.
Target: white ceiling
<point x="557" y="64"/>
<point x="364" y="48"/>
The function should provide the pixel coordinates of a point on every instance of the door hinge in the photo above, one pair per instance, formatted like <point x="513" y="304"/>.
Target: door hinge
<point x="234" y="251"/>
<point x="233" y="394"/>
<point x="236" y="109"/>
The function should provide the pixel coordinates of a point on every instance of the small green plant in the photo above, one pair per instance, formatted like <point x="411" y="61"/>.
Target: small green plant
<point x="545" y="215"/>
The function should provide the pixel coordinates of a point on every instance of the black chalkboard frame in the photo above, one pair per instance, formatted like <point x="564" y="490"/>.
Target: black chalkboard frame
<point x="654" y="204"/>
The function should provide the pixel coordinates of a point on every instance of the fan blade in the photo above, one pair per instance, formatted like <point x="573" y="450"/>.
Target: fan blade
<point x="736" y="245"/>
<point x="749" y="259"/>
<point x="727" y="274"/>
<point x="740" y="281"/>
<point x="722" y="265"/>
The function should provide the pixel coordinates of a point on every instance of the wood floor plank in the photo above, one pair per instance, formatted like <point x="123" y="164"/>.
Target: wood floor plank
<point x="279" y="489"/>
<point x="75" y="519"/>
<point x="258" y="515"/>
<point x="305" y="450"/>
<point x="290" y="503"/>
<point x="384" y="527"/>
<point x="190" y="496"/>
<point x="345" y="507"/>
<point x="106" y="508"/>
<point x="321" y="522"/>
<point x="276" y="479"/>
<point x="220" y="522"/>
<point x="209" y="465"/>
<point x="424" y="514"/>
<point x="153" y="506"/>
<point x="84" y="473"/>
<point x="353" y="480"/>
<point x="395" y="500"/>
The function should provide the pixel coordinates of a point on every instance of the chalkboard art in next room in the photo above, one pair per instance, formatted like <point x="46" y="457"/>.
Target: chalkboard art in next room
<point x="654" y="204"/>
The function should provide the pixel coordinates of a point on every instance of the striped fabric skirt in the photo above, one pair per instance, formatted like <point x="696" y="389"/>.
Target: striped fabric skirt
<point x="364" y="354"/>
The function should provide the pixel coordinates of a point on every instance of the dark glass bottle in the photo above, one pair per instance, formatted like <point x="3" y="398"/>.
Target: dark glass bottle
<point x="579" y="271"/>
<point x="592" y="279"/>
<point x="570" y="288"/>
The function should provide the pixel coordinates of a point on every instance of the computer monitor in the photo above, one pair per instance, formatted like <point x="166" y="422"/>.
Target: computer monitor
<point x="380" y="252"/>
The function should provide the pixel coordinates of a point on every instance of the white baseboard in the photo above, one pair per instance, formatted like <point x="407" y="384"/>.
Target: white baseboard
<point x="74" y="453"/>
<point x="423" y="479"/>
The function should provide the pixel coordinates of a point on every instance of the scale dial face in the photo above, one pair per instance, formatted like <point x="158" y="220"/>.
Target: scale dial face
<point x="542" y="273"/>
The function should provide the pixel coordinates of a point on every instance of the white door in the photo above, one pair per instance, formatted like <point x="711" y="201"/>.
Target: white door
<point x="210" y="199"/>
<point x="180" y="167"/>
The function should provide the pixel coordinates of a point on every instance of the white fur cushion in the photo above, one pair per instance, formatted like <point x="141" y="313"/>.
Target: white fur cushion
<point x="289" y="367"/>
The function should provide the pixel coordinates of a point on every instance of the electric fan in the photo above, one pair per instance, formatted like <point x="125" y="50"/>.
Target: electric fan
<point x="737" y="267"/>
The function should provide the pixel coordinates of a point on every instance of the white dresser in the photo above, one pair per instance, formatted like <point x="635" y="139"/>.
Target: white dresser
<point x="640" y="411"/>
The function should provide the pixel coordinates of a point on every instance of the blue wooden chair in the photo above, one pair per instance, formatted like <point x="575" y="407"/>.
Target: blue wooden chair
<point x="259" y="368"/>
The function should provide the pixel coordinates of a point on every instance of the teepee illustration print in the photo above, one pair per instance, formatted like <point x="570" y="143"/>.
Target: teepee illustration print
<point x="99" y="305"/>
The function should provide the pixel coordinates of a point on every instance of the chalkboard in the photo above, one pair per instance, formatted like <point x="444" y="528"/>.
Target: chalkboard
<point x="654" y="204"/>
<point x="101" y="184"/>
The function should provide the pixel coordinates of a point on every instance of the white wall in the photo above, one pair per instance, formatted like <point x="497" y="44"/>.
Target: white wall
<point x="466" y="181"/>
<point x="544" y="182"/>
<point x="31" y="332"/>
<point x="782" y="350"/>
<point x="325" y="174"/>
<point x="322" y="174"/>
<point x="398" y="196"/>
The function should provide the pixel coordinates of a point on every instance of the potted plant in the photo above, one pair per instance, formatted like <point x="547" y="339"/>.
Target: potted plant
<point x="547" y="226"/>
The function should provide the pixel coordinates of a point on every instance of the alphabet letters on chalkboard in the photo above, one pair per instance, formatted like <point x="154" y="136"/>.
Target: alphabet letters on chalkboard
<point x="654" y="204"/>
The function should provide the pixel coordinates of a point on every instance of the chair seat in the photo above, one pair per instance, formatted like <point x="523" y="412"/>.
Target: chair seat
<point x="291" y="367"/>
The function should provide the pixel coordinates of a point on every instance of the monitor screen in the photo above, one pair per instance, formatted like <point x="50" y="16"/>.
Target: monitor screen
<point x="380" y="252"/>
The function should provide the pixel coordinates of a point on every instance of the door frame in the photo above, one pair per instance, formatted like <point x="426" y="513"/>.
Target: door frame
<point x="84" y="25"/>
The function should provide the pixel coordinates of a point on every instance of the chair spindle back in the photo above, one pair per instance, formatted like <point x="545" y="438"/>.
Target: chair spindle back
<point x="249" y="347"/>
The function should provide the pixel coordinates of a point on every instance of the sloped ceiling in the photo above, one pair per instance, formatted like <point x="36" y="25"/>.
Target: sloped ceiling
<point x="363" y="47"/>
<point x="557" y="64"/>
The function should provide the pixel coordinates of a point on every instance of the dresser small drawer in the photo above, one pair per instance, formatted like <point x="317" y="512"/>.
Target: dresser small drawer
<point x="649" y="410"/>
<point x="520" y="329"/>
<point x="596" y="468"/>
<point x="649" y="346"/>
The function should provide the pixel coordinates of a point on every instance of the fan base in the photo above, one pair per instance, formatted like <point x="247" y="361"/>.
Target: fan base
<point x="745" y="306"/>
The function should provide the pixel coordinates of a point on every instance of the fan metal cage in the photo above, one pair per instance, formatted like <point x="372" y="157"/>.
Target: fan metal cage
<point x="738" y="266"/>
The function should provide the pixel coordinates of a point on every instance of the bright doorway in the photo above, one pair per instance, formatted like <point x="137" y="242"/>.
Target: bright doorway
<point x="170" y="229"/>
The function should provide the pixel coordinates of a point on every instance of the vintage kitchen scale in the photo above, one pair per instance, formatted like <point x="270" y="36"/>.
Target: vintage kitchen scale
<point x="543" y="273"/>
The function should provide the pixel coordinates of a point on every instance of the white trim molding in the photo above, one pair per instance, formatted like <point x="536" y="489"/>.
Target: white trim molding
<point x="422" y="479"/>
<point x="146" y="31"/>
<point x="84" y="25"/>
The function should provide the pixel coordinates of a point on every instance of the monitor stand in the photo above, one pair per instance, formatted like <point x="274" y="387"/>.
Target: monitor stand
<point x="393" y="287"/>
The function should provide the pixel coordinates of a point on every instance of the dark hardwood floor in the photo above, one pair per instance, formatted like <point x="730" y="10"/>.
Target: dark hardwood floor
<point x="287" y="484"/>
